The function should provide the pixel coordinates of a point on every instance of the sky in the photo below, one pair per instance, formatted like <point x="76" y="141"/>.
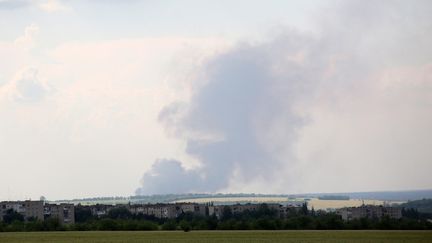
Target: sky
<point x="139" y="97"/>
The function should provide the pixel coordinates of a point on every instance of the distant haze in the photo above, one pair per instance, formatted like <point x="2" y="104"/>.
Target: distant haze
<point x="101" y="98"/>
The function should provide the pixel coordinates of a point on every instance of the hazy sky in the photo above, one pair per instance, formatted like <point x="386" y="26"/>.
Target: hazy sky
<point x="103" y="98"/>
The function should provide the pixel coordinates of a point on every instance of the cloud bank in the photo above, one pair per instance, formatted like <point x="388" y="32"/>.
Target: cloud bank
<point x="49" y="6"/>
<point x="85" y="104"/>
<point x="350" y="99"/>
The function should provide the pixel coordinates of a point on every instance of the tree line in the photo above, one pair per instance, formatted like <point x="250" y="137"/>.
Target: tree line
<point x="263" y="219"/>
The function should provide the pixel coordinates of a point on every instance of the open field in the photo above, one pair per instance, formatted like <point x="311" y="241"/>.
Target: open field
<point x="221" y="236"/>
<point x="313" y="202"/>
<point x="236" y="199"/>
<point x="324" y="204"/>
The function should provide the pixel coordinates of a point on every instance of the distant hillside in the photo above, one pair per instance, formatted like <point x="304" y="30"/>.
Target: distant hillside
<point x="423" y="206"/>
<point x="384" y="195"/>
<point x="165" y="198"/>
<point x="333" y="197"/>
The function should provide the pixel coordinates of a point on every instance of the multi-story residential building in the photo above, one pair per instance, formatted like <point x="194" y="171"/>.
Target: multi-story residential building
<point x="161" y="210"/>
<point x="65" y="213"/>
<point x="218" y="210"/>
<point x="167" y="210"/>
<point x="369" y="211"/>
<point x="28" y="209"/>
<point x="195" y="208"/>
<point x="100" y="210"/>
<point x="38" y="210"/>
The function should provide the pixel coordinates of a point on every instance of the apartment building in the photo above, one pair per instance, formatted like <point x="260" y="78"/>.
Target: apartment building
<point x="194" y="208"/>
<point x="38" y="210"/>
<point x="280" y="210"/>
<point x="64" y="212"/>
<point x="100" y="210"/>
<point x="164" y="210"/>
<point x="28" y="209"/>
<point x="369" y="211"/>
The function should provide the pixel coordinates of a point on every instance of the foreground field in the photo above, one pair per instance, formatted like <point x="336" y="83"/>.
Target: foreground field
<point x="222" y="236"/>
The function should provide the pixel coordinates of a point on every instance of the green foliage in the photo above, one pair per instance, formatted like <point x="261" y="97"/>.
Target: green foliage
<point x="34" y="225"/>
<point x="329" y="221"/>
<point x="226" y="213"/>
<point x="120" y="213"/>
<point x="304" y="209"/>
<point x="422" y="206"/>
<point x="82" y="214"/>
<point x="11" y="216"/>
<point x="169" y="225"/>
<point x="185" y="226"/>
<point x="264" y="224"/>
<point x="122" y="224"/>
<point x="147" y="225"/>
<point x="264" y="218"/>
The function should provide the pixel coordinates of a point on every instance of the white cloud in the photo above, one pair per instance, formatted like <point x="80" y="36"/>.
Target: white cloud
<point x="18" y="64"/>
<point x="26" y="86"/>
<point x="12" y="4"/>
<point x="29" y="86"/>
<point x="373" y="138"/>
<point x="51" y="6"/>
<point x="102" y="114"/>
<point x="27" y="41"/>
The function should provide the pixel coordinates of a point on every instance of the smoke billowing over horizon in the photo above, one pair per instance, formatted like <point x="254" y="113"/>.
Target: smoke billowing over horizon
<point x="299" y="106"/>
<point x="147" y="97"/>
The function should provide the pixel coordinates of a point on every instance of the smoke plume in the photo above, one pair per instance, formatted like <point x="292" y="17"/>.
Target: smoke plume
<point x="251" y="104"/>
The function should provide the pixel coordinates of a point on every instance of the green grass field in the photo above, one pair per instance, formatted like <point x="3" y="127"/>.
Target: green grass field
<point x="222" y="236"/>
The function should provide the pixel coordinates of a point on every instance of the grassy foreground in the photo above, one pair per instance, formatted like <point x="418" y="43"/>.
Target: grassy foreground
<point x="220" y="236"/>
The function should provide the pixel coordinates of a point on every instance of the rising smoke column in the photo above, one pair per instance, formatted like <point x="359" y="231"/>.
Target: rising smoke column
<point x="244" y="118"/>
<point x="245" y="98"/>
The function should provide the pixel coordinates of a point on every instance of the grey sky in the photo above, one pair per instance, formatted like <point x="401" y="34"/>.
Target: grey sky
<point x="100" y="98"/>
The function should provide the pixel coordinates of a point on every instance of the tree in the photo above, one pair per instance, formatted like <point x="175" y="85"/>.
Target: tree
<point x="82" y="214"/>
<point x="212" y="222"/>
<point x="169" y="225"/>
<point x="226" y="213"/>
<point x="411" y="213"/>
<point x="52" y="224"/>
<point x="119" y="213"/>
<point x="313" y="211"/>
<point x="264" y="224"/>
<point x="265" y="211"/>
<point x="304" y="209"/>
<point x="108" y="224"/>
<point x="11" y="216"/>
<point x="185" y="226"/>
